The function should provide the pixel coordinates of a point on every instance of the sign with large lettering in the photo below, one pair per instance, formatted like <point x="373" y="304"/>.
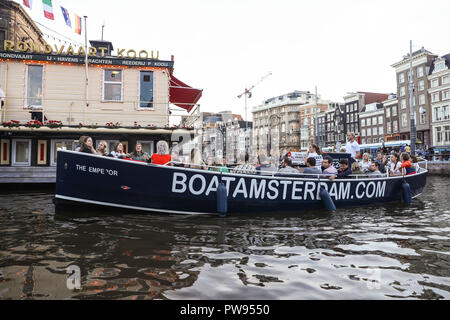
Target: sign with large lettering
<point x="61" y="54"/>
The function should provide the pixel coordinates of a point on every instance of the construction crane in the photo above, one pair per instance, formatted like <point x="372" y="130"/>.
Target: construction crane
<point x="248" y="92"/>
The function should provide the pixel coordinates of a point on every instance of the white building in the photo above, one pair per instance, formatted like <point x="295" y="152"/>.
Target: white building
<point x="439" y="91"/>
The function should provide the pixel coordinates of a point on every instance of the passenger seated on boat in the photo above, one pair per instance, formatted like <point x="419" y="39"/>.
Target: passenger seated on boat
<point x="219" y="165"/>
<point x="138" y="154"/>
<point x="244" y="166"/>
<point x="311" y="166"/>
<point x="327" y="165"/>
<point x="162" y="155"/>
<point x="118" y="151"/>
<point x="80" y="142"/>
<point x="356" y="169"/>
<point x="87" y="146"/>
<point x="344" y="170"/>
<point x="196" y="161"/>
<point x="381" y="161"/>
<point x="365" y="162"/>
<point x="374" y="170"/>
<point x="415" y="162"/>
<point x="286" y="167"/>
<point x="265" y="167"/>
<point x="102" y="148"/>
<point x="407" y="167"/>
<point x="395" y="166"/>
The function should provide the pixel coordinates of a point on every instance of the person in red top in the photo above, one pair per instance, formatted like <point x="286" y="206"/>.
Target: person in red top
<point x="162" y="155"/>
<point x="407" y="167"/>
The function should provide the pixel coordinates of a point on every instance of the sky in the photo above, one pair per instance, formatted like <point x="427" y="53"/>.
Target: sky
<point x="224" y="47"/>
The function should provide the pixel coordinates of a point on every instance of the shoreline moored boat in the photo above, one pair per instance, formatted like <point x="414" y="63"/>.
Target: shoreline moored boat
<point x="102" y="181"/>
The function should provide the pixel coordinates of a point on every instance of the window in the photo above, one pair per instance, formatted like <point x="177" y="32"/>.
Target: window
<point x="447" y="134"/>
<point x="61" y="144"/>
<point x="388" y="127"/>
<point x="423" y="117"/>
<point x="437" y="114"/>
<point x="395" y="126"/>
<point x="363" y="132"/>
<point x="419" y="72"/>
<point x="401" y="78"/>
<point x="435" y="83"/>
<point x="439" y="66"/>
<point x="388" y="112"/>
<point x="402" y="91"/>
<point x="446" y="112"/>
<point x="34" y="86"/>
<point x="446" y="95"/>
<point x="375" y="131"/>
<point x="363" y="122"/>
<point x="394" y="111"/>
<point x="112" y="85"/>
<point x="403" y="103"/>
<point x="21" y="152"/>
<point x="369" y="132"/>
<point x="421" y="85"/>
<point x="369" y="121"/>
<point x="422" y="99"/>
<point x="445" y="79"/>
<point x="435" y="97"/>
<point x="374" y="121"/>
<point x="147" y="146"/>
<point x="380" y="119"/>
<point x="438" y="131"/>
<point x="404" y="120"/>
<point x="146" y="89"/>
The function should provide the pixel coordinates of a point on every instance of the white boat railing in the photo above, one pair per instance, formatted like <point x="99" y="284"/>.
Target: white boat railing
<point x="276" y="173"/>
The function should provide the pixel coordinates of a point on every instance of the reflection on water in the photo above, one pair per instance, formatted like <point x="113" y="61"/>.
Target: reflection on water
<point x="388" y="252"/>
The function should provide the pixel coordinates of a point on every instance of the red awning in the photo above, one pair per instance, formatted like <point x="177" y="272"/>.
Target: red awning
<point x="183" y="95"/>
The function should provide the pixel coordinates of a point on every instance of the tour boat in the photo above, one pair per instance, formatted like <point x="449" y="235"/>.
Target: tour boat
<point x="117" y="183"/>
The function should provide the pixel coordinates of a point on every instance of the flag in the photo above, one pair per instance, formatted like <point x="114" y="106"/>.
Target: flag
<point x="78" y="24"/>
<point x="66" y="16"/>
<point x="48" y="9"/>
<point x="28" y="3"/>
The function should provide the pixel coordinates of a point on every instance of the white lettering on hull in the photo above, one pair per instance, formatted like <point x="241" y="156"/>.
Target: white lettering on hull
<point x="259" y="189"/>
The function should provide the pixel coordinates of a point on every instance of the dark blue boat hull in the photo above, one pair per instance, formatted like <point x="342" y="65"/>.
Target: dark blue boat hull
<point x="95" y="180"/>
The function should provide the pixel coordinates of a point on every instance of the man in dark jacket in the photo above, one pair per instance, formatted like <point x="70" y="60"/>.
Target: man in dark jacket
<point x="344" y="170"/>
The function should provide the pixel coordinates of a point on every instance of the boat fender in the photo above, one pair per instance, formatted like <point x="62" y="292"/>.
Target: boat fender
<point x="326" y="199"/>
<point x="406" y="190"/>
<point x="221" y="198"/>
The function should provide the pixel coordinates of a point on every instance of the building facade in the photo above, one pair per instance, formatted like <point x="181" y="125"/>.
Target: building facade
<point x="439" y="92"/>
<point x="422" y="62"/>
<point x="308" y="121"/>
<point x="372" y="123"/>
<point x="276" y="123"/>
<point x="391" y="118"/>
<point x="17" y="26"/>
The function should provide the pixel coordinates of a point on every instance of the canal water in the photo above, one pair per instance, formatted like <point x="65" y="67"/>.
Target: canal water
<point x="379" y="252"/>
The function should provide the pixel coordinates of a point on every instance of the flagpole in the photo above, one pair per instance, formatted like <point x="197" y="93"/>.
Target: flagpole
<point x="86" y="61"/>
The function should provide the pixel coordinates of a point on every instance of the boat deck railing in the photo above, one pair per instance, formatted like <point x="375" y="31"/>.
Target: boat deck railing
<point x="423" y="166"/>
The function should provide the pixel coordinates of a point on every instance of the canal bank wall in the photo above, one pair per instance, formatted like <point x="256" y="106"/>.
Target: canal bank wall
<point x="441" y="168"/>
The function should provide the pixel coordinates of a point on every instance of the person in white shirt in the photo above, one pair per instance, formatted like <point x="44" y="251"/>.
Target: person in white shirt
<point x="314" y="152"/>
<point x="365" y="162"/>
<point x="352" y="146"/>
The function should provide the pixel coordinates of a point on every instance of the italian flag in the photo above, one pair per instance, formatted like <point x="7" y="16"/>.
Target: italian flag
<point x="48" y="9"/>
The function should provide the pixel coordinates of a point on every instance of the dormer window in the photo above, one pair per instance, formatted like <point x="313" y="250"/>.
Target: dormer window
<point x="439" y="66"/>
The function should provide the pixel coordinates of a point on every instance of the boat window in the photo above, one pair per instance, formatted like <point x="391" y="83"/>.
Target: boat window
<point x="21" y="152"/>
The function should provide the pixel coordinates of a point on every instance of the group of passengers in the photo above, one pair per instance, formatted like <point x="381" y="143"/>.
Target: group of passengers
<point x="162" y="156"/>
<point x="316" y="162"/>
